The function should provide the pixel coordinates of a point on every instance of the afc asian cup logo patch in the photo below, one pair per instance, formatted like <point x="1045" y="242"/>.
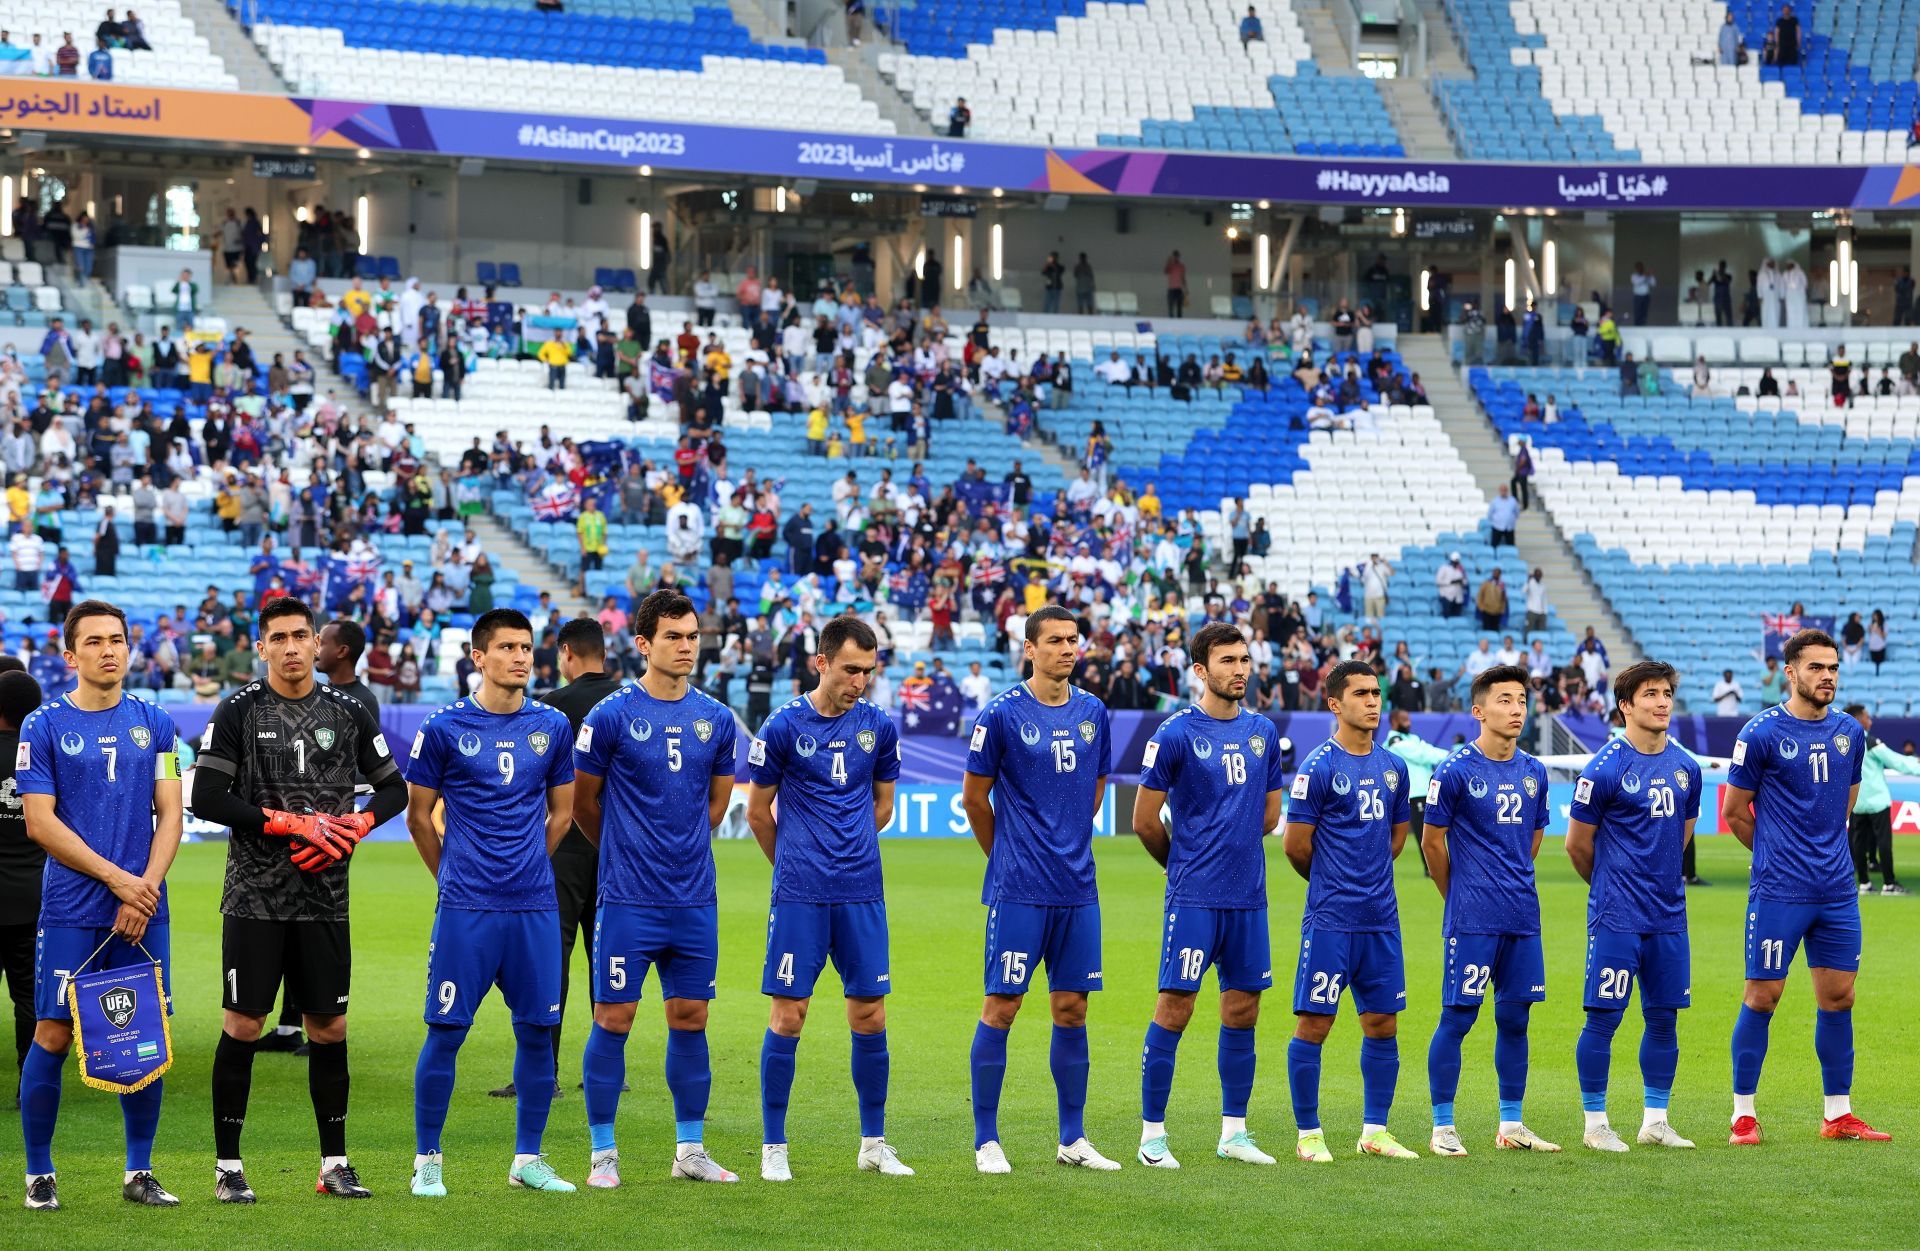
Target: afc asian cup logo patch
<point x="1788" y="749"/>
<point x="1086" y="732"/>
<point x="469" y="744"/>
<point x="806" y="745"/>
<point x="1342" y="784"/>
<point x="142" y="737"/>
<point x="1477" y="787"/>
<point x="1630" y="783"/>
<point x="1393" y="781"/>
<point x="703" y="729"/>
<point x="1029" y="733"/>
<point x="1531" y="786"/>
<point x="1433" y="791"/>
<point x="72" y="743"/>
<point x="640" y="729"/>
<point x="1841" y="743"/>
<point x="1257" y="745"/>
<point x="325" y="738"/>
<point x="1680" y="779"/>
<point x="1202" y="749"/>
<point x="539" y="740"/>
<point x="866" y="739"/>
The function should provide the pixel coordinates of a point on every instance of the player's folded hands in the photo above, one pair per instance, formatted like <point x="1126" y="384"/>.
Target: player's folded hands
<point x="322" y="847"/>
<point x="289" y="824"/>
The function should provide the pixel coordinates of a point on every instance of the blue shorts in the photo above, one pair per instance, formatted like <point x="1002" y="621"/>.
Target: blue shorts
<point x="60" y="950"/>
<point x="1021" y="937"/>
<point x="1831" y="932"/>
<point x="1661" y="962"/>
<point x="1233" y="940"/>
<point x="1515" y="964"/>
<point x="682" y="943"/>
<point x="802" y="937"/>
<point x="1333" y="962"/>
<point x="472" y="952"/>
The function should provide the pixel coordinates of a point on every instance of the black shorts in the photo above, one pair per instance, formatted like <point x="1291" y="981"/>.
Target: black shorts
<point x="314" y="958"/>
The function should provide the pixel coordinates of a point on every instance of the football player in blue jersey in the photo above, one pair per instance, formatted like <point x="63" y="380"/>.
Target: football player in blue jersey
<point x="98" y="774"/>
<point x="1217" y="768"/>
<point x="654" y="772"/>
<point x="1633" y="812"/>
<point x="1040" y="751"/>
<point x="1486" y="808"/>
<point x="1795" y="774"/>
<point x="1348" y="815"/>
<point x="831" y="758"/>
<point x="502" y="764"/>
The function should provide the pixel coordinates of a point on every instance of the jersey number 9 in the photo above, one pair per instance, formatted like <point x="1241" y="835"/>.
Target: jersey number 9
<point x="506" y="768"/>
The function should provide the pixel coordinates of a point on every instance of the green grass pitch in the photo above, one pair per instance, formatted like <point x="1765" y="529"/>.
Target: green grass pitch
<point x="1794" y="1190"/>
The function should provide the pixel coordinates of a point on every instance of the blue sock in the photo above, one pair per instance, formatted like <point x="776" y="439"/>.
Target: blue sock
<point x="1379" y="1074"/>
<point x="603" y="1069"/>
<point x="1443" y="1060"/>
<point x="1659" y="1054"/>
<point x="40" y="1105"/>
<point x="433" y="1085"/>
<point x="533" y="1072"/>
<point x="1510" y="1056"/>
<point x="1593" y="1055"/>
<point x="1833" y="1043"/>
<point x="1749" y="1048"/>
<point x="1236" y="1061"/>
<point x="1070" y="1063"/>
<point x="1156" y="1071"/>
<point x="1303" y="1080"/>
<point x="988" y="1059"/>
<point x="776" y="1084"/>
<point x="140" y="1112"/>
<point x="871" y="1067"/>
<point x="690" y="1078"/>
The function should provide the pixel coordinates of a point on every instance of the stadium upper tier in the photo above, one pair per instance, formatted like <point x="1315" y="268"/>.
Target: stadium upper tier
<point x="180" y="55"/>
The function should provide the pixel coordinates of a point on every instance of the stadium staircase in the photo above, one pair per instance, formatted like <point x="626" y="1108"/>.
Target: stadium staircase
<point x="862" y="68"/>
<point x="509" y="551"/>
<point x="229" y="40"/>
<point x="249" y="309"/>
<point x="1570" y="588"/>
<point x="1330" y="50"/>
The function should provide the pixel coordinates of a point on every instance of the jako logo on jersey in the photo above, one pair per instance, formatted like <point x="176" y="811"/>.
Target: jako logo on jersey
<point x="1029" y="734"/>
<point x="1342" y="784"/>
<point x="866" y="739"/>
<point x="1202" y="749"/>
<point x="640" y="729"/>
<point x="1258" y="746"/>
<point x="1477" y="787"/>
<point x="141" y="737"/>
<point x="325" y="738"/>
<point x="1630" y="783"/>
<point x="806" y="745"/>
<point x="703" y="729"/>
<point x="1086" y="731"/>
<point x="469" y="744"/>
<point x="538" y="740"/>
<point x="72" y="743"/>
<point x="1788" y="749"/>
<point x="1841" y="742"/>
<point x="1530" y="786"/>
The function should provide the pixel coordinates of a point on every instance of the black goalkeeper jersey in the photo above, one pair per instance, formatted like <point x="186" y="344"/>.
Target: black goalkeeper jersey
<point x="300" y="756"/>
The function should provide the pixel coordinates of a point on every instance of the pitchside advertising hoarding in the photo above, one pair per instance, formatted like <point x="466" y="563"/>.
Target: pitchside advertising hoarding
<point x="347" y="128"/>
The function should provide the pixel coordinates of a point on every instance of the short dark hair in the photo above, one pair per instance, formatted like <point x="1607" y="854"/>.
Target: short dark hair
<point x="89" y="608"/>
<point x="1856" y="711"/>
<point x="1627" y="683"/>
<point x="284" y="606"/>
<point x="494" y="620"/>
<point x="583" y="637"/>
<point x="1496" y="676"/>
<point x="665" y="602"/>
<point x="12" y="664"/>
<point x="1790" y="651"/>
<point x="843" y="630"/>
<point x="1212" y="635"/>
<point x="1052" y="612"/>
<point x="353" y="636"/>
<point x="1344" y="672"/>
<point x="19" y="696"/>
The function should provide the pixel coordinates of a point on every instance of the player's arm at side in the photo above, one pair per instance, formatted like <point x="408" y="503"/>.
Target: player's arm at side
<point x="1400" y="812"/>
<point x="1751" y="754"/>
<point x="1161" y="768"/>
<point x="976" y="785"/>
<point x="766" y="761"/>
<point x="586" y="803"/>
<point x="217" y="768"/>
<point x="390" y="797"/>
<point x="592" y="758"/>
<point x="131" y="923"/>
<point x="886" y="771"/>
<point x="1303" y="812"/>
<point x="425" y="775"/>
<point x="559" y="781"/>
<point x="1441" y="793"/>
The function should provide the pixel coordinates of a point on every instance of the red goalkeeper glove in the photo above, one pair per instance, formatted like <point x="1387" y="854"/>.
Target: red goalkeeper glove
<point x="289" y="824"/>
<point x="332" y="840"/>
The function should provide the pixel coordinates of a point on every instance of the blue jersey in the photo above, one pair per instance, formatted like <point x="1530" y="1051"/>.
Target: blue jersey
<point x="659" y="759"/>
<point x="1217" y="776"/>
<point x="1046" y="764"/>
<point x="1800" y="773"/>
<point x="100" y="768"/>
<point x="1352" y="802"/>
<point x="1639" y="806"/>
<point x="494" y="771"/>
<point x="1491" y="810"/>
<point x="826" y="849"/>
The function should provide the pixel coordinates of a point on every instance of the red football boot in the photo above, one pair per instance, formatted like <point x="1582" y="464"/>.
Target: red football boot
<point x="1746" y="1132"/>
<point x="1848" y="1125"/>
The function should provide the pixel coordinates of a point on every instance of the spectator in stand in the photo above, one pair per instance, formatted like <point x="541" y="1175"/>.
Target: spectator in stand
<point x="1642" y="284"/>
<point x="1536" y="597"/>
<point x="1786" y="38"/>
<point x="1506" y="337"/>
<point x="1773" y="683"/>
<point x="183" y="299"/>
<point x="1503" y="518"/>
<point x="66" y="59"/>
<point x="1726" y="692"/>
<point x="1491" y="603"/>
<point x="1176" y="271"/>
<point x="1250" y="29"/>
<point x="1522" y="481"/>
<point x="1473" y="334"/>
<point x="1052" y="278"/>
<point x="231" y="235"/>
<point x="133" y="34"/>
<point x="555" y="355"/>
<point x="1479" y="660"/>
<point x="100" y="62"/>
<point x="1083" y="286"/>
<point x="856" y="12"/>
<point x="1450" y="583"/>
<point x="253" y="241"/>
<point x="1729" y="41"/>
<point x="959" y="117"/>
<point x="1374" y="577"/>
<point x="1591" y="656"/>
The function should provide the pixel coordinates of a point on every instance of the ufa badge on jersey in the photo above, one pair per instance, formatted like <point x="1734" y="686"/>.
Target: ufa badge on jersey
<point x="120" y="1026"/>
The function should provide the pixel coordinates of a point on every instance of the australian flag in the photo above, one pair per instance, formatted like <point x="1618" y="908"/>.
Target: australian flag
<point x="933" y="709"/>
<point x="1777" y="627"/>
